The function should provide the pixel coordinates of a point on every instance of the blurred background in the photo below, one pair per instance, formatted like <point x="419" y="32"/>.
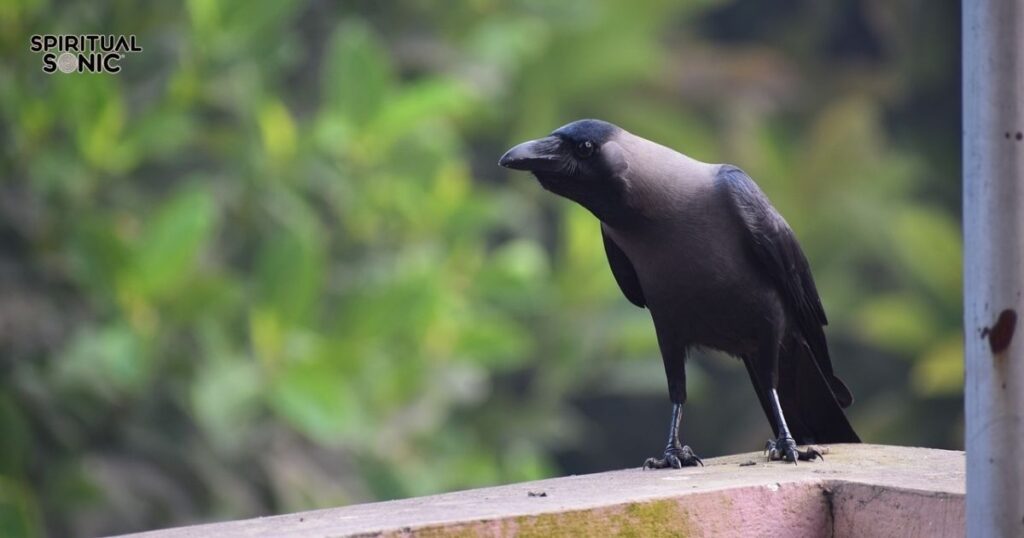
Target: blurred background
<point x="272" y="265"/>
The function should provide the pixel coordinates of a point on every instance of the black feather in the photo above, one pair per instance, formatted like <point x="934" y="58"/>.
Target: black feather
<point x="596" y="131"/>
<point x="779" y="255"/>
<point x="623" y="271"/>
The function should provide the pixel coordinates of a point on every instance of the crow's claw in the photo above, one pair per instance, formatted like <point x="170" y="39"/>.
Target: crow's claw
<point x="784" y="449"/>
<point x="675" y="458"/>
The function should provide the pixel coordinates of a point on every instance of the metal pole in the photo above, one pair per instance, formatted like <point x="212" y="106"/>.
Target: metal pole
<point x="993" y="131"/>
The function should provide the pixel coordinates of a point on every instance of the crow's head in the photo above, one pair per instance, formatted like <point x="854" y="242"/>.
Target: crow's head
<point x="581" y="161"/>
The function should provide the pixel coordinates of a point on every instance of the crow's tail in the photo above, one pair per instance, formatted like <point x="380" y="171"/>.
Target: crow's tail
<point x="812" y="410"/>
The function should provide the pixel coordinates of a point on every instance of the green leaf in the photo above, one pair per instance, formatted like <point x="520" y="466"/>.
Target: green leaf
<point x="940" y="372"/>
<point x="928" y="244"/>
<point x="357" y="73"/>
<point x="494" y="341"/>
<point x="318" y="401"/>
<point x="508" y="42"/>
<point x="278" y="131"/>
<point x="515" y="272"/>
<point x="161" y="133"/>
<point x="417" y="103"/>
<point x="204" y="14"/>
<point x="226" y="398"/>
<point x="98" y="254"/>
<point x="898" y="322"/>
<point x="100" y="140"/>
<point x="112" y="361"/>
<point x="167" y="252"/>
<point x="15" y="449"/>
<point x="18" y="512"/>
<point x="289" y="274"/>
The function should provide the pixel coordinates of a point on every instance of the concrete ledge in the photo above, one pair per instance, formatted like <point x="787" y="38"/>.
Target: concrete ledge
<point x="859" y="490"/>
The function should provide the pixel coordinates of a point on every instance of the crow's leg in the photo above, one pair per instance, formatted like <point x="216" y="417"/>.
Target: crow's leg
<point x="677" y="455"/>
<point x="784" y="447"/>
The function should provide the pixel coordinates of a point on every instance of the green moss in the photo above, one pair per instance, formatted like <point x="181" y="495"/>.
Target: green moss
<point x="648" y="519"/>
<point x="655" y="519"/>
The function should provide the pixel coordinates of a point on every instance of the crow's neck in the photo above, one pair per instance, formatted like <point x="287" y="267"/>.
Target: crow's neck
<point x="606" y="200"/>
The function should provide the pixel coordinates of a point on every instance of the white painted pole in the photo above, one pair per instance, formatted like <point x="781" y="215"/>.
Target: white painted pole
<point x="993" y="141"/>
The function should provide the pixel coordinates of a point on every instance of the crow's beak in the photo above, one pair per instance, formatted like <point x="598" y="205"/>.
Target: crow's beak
<point x="541" y="155"/>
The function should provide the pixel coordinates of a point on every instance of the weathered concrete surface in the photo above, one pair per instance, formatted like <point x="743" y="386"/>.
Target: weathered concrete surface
<point x="870" y="510"/>
<point x="859" y="490"/>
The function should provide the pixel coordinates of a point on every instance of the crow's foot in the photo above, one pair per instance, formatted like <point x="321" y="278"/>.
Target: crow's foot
<point x="675" y="458"/>
<point x="784" y="448"/>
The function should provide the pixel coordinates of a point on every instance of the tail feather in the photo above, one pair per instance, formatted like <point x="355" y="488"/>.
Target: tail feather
<point x="815" y="345"/>
<point x="841" y="391"/>
<point x="809" y="399"/>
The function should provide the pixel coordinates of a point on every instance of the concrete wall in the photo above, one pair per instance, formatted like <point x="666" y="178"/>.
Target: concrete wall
<point x="859" y="490"/>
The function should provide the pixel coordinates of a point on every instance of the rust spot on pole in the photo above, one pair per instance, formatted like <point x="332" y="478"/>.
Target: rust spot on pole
<point x="1001" y="333"/>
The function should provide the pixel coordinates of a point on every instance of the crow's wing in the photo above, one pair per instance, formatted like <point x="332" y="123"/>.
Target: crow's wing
<point x="779" y="255"/>
<point x="623" y="271"/>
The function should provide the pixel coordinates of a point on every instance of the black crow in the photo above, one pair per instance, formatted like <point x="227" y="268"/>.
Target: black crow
<point x="702" y="248"/>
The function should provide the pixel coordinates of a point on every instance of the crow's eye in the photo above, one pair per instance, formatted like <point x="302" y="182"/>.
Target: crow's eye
<point x="585" y="149"/>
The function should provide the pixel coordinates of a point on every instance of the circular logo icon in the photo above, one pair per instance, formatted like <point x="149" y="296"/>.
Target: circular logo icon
<point x="67" y="62"/>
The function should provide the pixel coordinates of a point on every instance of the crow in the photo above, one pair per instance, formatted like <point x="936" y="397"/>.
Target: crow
<point x="701" y="247"/>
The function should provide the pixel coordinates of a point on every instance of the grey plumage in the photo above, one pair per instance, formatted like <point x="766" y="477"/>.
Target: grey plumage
<point x="703" y="249"/>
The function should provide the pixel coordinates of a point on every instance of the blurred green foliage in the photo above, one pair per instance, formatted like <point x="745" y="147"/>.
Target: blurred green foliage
<point x="271" y="265"/>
